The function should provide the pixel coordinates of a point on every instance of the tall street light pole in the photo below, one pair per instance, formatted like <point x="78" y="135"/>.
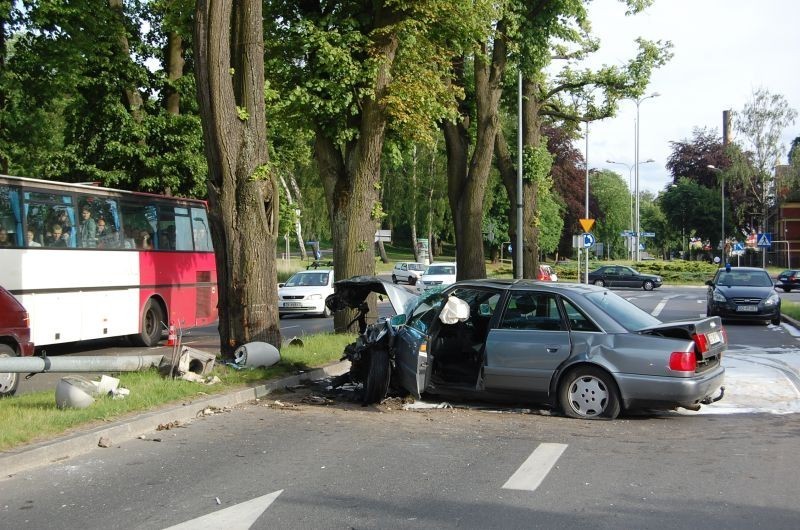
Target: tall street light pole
<point x="630" y="187"/>
<point x="637" y="234"/>
<point x="586" y="275"/>
<point x="722" y="197"/>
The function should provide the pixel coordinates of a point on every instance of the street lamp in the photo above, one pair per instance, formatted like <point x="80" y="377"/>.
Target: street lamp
<point x="722" y="198"/>
<point x="630" y="185"/>
<point x="637" y="235"/>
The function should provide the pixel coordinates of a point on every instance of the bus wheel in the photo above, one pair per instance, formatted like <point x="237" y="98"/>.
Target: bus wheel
<point x="8" y="380"/>
<point x="152" y="317"/>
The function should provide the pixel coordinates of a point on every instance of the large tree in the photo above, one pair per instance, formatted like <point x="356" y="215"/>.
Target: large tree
<point x="612" y="195"/>
<point x="761" y="123"/>
<point x="559" y="31"/>
<point x="353" y="72"/>
<point x="242" y="190"/>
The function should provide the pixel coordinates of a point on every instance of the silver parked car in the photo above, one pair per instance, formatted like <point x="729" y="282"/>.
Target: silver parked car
<point x="579" y="347"/>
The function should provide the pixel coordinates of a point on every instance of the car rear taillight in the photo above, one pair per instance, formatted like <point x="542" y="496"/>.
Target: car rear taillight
<point x="700" y="342"/>
<point x="682" y="361"/>
<point x="724" y="335"/>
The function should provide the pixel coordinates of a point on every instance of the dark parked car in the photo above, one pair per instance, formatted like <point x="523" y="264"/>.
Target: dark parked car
<point x="579" y="347"/>
<point x="15" y="337"/>
<point x="743" y="293"/>
<point x="788" y="280"/>
<point x="621" y="276"/>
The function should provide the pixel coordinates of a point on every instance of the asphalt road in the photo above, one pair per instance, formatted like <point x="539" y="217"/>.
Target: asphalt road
<point x="316" y="459"/>
<point x="345" y="466"/>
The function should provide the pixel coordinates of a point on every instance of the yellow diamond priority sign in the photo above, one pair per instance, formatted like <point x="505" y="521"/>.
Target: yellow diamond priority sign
<point x="587" y="224"/>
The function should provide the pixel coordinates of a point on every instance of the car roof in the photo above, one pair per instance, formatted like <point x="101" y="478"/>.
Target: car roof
<point x="518" y="285"/>
<point x="744" y="269"/>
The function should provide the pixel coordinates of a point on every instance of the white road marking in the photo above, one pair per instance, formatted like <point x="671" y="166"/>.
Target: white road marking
<point x="239" y="516"/>
<point x="533" y="471"/>
<point x="662" y="304"/>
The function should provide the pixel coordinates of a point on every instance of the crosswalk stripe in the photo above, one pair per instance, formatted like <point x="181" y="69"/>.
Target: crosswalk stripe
<point x="533" y="471"/>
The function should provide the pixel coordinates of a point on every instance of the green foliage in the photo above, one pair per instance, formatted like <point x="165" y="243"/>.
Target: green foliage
<point x="242" y="113"/>
<point x="537" y="163"/>
<point x="689" y="204"/>
<point x="550" y="218"/>
<point x="613" y="203"/>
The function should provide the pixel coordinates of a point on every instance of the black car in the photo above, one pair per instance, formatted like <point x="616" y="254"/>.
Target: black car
<point x="743" y="293"/>
<point x="788" y="280"/>
<point x="621" y="276"/>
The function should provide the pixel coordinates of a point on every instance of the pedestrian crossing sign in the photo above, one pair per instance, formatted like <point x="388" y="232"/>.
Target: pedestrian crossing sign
<point x="764" y="240"/>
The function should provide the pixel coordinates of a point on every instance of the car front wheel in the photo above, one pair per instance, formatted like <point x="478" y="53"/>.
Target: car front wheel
<point x="8" y="380"/>
<point x="394" y="278"/>
<point x="776" y="321"/>
<point x="647" y="285"/>
<point x="599" y="283"/>
<point x="787" y="289"/>
<point x="376" y="384"/>
<point x="589" y="393"/>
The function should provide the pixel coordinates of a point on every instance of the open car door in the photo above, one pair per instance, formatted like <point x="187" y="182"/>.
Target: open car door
<point x="413" y="361"/>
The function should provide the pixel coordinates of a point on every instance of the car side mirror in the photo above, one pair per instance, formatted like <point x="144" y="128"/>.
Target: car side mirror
<point x="398" y="320"/>
<point x="281" y="284"/>
<point x="710" y="283"/>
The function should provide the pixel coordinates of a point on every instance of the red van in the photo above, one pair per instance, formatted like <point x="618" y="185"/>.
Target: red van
<point x="15" y="337"/>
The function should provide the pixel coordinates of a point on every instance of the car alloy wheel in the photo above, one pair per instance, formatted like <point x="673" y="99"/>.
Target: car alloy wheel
<point x="647" y="285"/>
<point x="8" y="380"/>
<point x="599" y="283"/>
<point x="589" y="393"/>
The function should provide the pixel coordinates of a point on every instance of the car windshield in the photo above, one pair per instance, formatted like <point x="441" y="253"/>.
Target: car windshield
<point x="744" y="279"/>
<point x="416" y="267"/>
<point x="441" y="269"/>
<point x="310" y="279"/>
<point x="625" y="313"/>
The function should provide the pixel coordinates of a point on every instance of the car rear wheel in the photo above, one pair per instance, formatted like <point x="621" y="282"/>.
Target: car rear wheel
<point x="376" y="384"/>
<point x="647" y="285"/>
<point x="152" y="317"/>
<point x="589" y="393"/>
<point x="600" y="283"/>
<point x="8" y="380"/>
<point x="787" y="289"/>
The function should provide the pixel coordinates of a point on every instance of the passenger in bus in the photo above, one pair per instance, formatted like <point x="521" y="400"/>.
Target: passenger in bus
<point x="143" y="241"/>
<point x="30" y="239"/>
<point x="105" y="237"/>
<point x="87" y="230"/>
<point x="64" y="222"/>
<point x="59" y="238"/>
<point x="5" y="241"/>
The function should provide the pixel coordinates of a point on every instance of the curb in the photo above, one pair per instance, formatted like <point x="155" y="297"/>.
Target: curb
<point x="48" y="452"/>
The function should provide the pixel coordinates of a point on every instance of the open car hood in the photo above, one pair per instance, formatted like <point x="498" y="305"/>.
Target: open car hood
<point x="351" y="293"/>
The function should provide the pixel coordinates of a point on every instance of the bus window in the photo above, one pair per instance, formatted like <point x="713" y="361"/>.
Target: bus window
<point x="139" y="223"/>
<point x="174" y="229"/>
<point x="10" y="218"/>
<point x="51" y="216"/>
<point x="202" y="237"/>
<point x="100" y="227"/>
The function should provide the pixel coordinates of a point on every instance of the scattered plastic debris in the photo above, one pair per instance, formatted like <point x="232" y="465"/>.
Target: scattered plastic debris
<point x="418" y="405"/>
<point x="79" y="393"/>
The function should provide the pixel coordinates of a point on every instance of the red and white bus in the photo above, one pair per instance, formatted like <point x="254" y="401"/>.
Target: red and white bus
<point x="88" y="262"/>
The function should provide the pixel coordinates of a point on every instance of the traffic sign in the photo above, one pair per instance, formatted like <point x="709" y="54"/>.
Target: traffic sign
<point x="738" y="246"/>
<point x="764" y="240"/>
<point x="648" y="234"/>
<point x="627" y="233"/>
<point x="587" y="224"/>
<point x="588" y="240"/>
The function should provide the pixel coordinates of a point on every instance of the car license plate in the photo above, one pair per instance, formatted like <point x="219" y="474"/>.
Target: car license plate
<point x="747" y="308"/>
<point x="714" y="337"/>
<point x="292" y="304"/>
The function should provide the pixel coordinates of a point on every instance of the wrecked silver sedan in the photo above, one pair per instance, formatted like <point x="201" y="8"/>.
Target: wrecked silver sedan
<point x="580" y="348"/>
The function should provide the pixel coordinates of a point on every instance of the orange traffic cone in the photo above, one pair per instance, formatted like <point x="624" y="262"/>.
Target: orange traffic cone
<point x="171" y="337"/>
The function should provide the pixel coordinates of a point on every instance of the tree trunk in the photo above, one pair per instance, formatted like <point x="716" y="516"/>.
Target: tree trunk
<point x="351" y="178"/>
<point x="3" y="23"/>
<point x="242" y="195"/>
<point x="174" y="67"/>
<point x="531" y="137"/>
<point x="467" y="180"/>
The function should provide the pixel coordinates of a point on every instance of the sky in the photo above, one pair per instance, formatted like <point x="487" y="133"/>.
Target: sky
<point x="723" y="51"/>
